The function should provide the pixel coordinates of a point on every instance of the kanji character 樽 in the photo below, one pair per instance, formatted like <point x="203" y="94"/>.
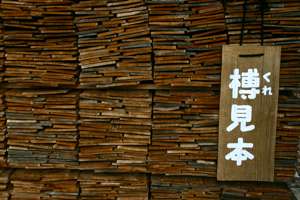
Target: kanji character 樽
<point x="239" y="154"/>
<point x="266" y="90"/>
<point x="235" y="83"/>
<point x="240" y="115"/>
<point x="250" y="84"/>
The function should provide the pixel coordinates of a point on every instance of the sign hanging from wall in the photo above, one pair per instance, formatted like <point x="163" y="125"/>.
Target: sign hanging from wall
<point x="248" y="112"/>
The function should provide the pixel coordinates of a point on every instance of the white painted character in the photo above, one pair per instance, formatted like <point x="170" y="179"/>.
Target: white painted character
<point x="250" y="84"/>
<point x="239" y="154"/>
<point x="266" y="90"/>
<point x="235" y="82"/>
<point x="241" y="115"/>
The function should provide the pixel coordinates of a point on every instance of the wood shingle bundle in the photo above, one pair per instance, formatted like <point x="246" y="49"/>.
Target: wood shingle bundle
<point x="259" y="191"/>
<point x="2" y="130"/>
<point x="4" y="183"/>
<point x="113" y="186"/>
<point x="287" y="135"/>
<point x="1" y="48"/>
<point x="40" y="43"/>
<point x="281" y="27"/>
<point x="44" y="184"/>
<point x="185" y="133"/>
<point x="183" y="187"/>
<point x="192" y="188"/>
<point x="115" y="129"/>
<point x="234" y="11"/>
<point x="187" y="38"/>
<point x="41" y="126"/>
<point x="114" y="43"/>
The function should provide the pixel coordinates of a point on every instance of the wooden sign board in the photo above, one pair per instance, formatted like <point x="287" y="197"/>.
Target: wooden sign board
<point x="248" y="111"/>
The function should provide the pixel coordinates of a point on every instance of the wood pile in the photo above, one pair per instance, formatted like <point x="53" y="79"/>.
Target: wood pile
<point x="41" y="126"/>
<point x="179" y="188"/>
<point x="114" y="43"/>
<point x="2" y="130"/>
<point x="122" y="97"/>
<point x="184" y="187"/>
<point x="115" y="129"/>
<point x="44" y="184"/>
<point x="187" y="38"/>
<point x="234" y="12"/>
<point x="114" y="186"/>
<point x="184" y="133"/>
<point x="40" y="43"/>
<point x="4" y="184"/>
<point x="250" y="190"/>
<point x="1" y="48"/>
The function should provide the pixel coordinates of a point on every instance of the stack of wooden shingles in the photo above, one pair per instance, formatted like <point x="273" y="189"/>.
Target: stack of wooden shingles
<point x="115" y="129"/>
<point x="187" y="38"/>
<point x="282" y="23"/>
<point x="40" y="43"/>
<point x="234" y="11"/>
<point x="178" y="187"/>
<point x="2" y="130"/>
<point x="114" y="43"/>
<point x="251" y="191"/>
<point x="113" y="186"/>
<point x="184" y="187"/>
<point x="44" y="184"/>
<point x="41" y="126"/>
<point x="4" y="183"/>
<point x="187" y="41"/>
<point x="185" y="134"/>
<point x="1" y="48"/>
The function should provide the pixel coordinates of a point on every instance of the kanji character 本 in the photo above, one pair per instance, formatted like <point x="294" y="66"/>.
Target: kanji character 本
<point x="240" y="115"/>
<point x="235" y="83"/>
<point x="239" y="154"/>
<point x="250" y="84"/>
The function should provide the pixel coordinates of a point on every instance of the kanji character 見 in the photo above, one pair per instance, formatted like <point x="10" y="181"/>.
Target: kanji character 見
<point x="241" y="115"/>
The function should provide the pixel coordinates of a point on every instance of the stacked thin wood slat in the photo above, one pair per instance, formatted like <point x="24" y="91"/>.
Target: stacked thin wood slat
<point x="282" y="27"/>
<point x="114" y="186"/>
<point x="187" y="38"/>
<point x="184" y="187"/>
<point x="41" y="126"/>
<point x="115" y="129"/>
<point x="1" y="48"/>
<point x="4" y="183"/>
<point x="250" y="190"/>
<point x="40" y="43"/>
<point x="185" y="133"/>
<point x="44" y="184"/>
<point x="234" y="11"/>
<point x="2" y="130"/>
<point x="114" y="43"/>
<point x="178" y="187"/>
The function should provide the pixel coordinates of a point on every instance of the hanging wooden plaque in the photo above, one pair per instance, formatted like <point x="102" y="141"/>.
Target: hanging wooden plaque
<point x="248" y="111"/>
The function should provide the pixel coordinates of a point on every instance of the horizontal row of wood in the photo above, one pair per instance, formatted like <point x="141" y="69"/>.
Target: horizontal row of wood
<point x="115" y="130"/>
<point x="92" y="44"/>
<point x="87" y="185"/>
